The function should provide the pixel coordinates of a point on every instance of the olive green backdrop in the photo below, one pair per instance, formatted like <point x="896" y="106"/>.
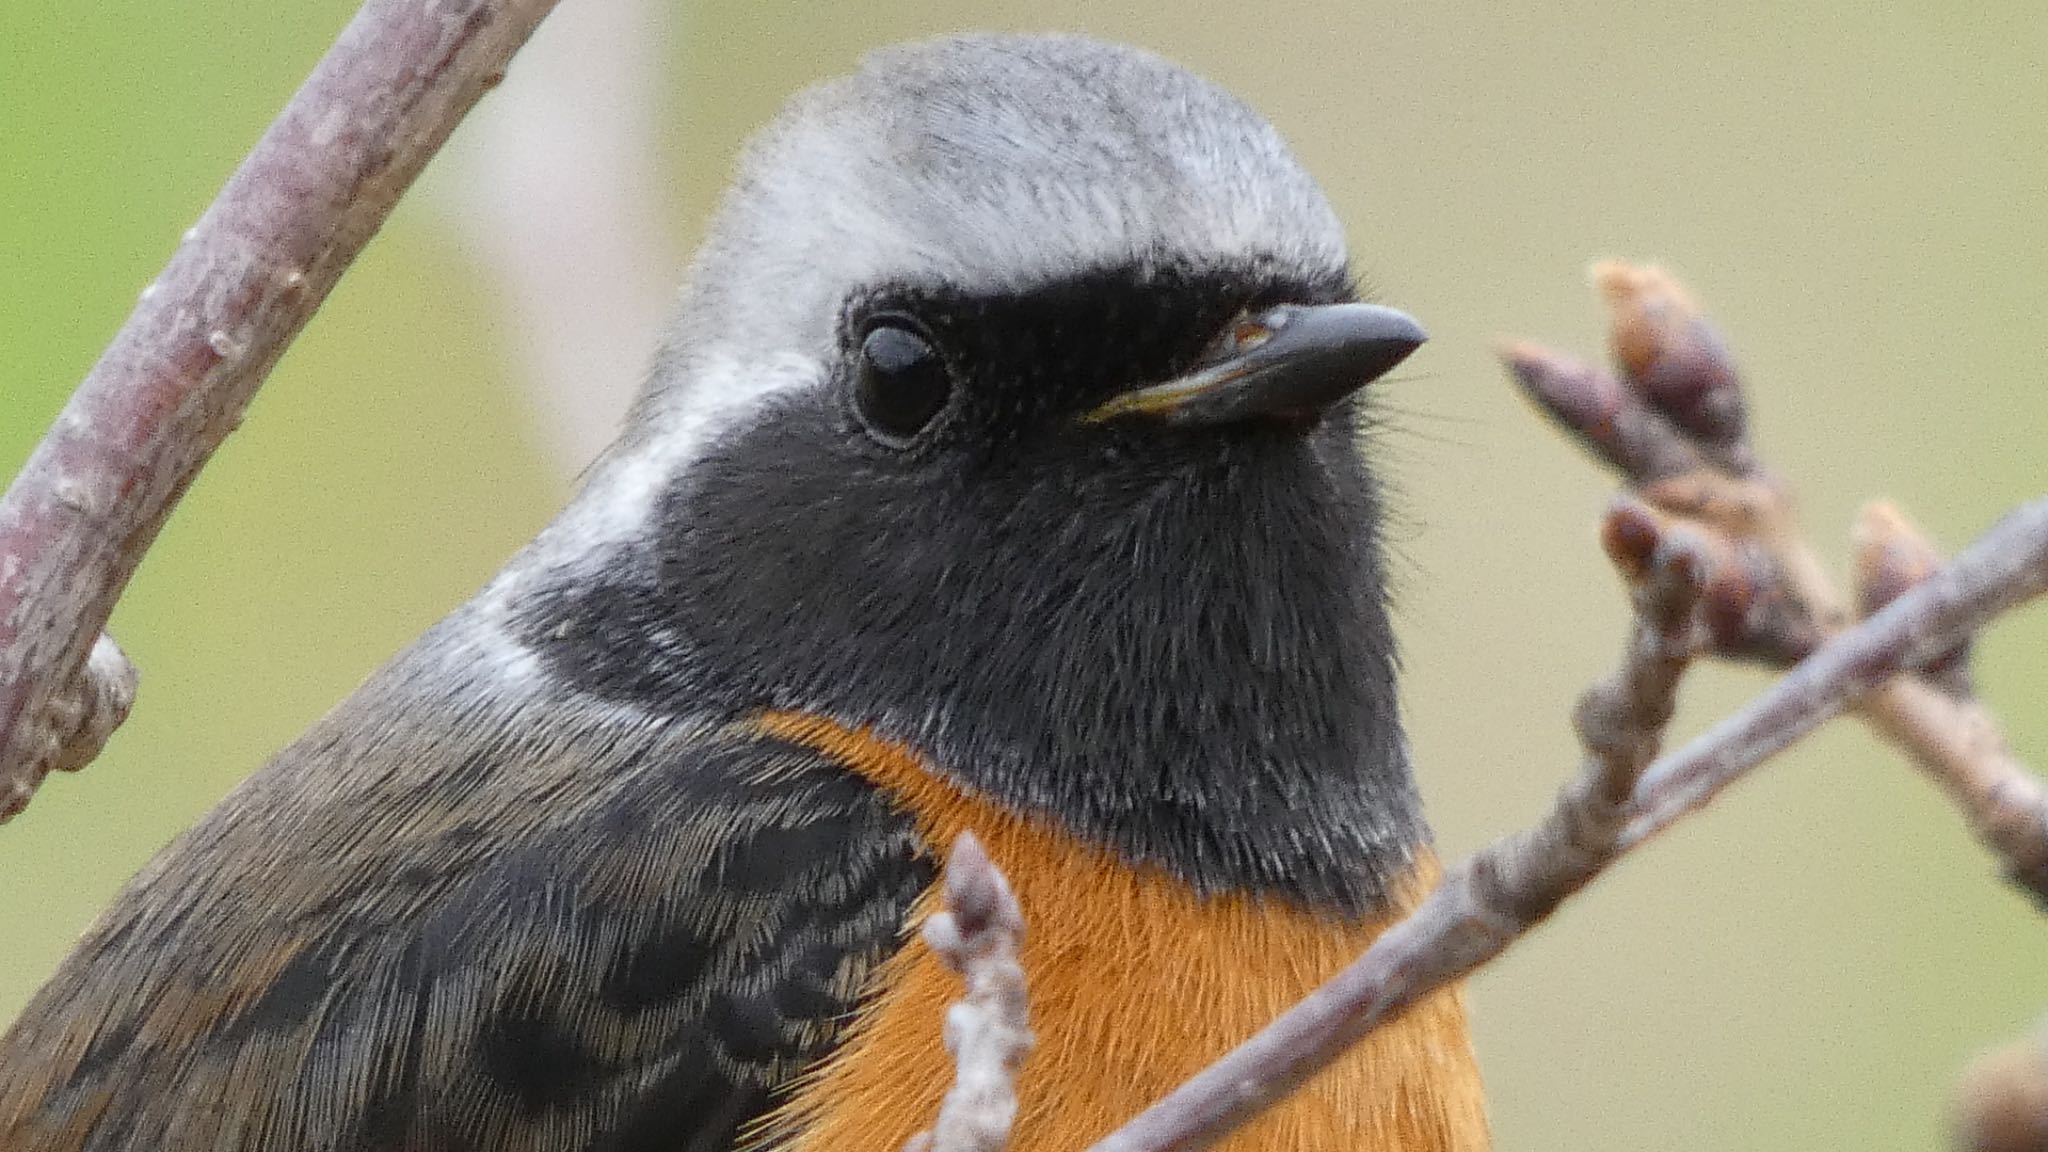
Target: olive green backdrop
<point x="1860" y="194"/>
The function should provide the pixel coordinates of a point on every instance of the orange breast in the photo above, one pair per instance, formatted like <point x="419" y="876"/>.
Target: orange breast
<point x="1136" y="983"/>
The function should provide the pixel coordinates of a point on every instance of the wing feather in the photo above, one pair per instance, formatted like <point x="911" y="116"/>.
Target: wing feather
<point x="620" y="934"/>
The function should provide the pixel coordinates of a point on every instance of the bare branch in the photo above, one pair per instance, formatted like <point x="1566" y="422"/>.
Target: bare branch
<point x="205" y="334"/>
<point x="1674" y="424"/>
<point x="1937" y="719"/>
<point x="2006" y="567"/>
<point x="1679" y="399"/>
<point x="988" y="1032"/>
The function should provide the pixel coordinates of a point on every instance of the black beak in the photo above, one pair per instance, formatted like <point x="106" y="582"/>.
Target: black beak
<point x="1289" y="363"/>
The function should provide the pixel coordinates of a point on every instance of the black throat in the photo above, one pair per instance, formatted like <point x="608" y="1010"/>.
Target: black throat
<point x="1175" y="643"/>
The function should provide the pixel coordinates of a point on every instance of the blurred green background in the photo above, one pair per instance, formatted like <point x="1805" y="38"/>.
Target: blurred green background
<point x="1859" y="193"/>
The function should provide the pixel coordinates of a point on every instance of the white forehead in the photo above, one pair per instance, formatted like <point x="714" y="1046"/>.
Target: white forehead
<point x="982" y="164"/>
<point x="990" y="163"/>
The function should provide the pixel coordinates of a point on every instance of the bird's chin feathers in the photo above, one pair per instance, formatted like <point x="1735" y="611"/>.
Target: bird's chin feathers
<point x="1189" y="662"/>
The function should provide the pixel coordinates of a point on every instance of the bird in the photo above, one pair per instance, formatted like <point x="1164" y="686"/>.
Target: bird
<point x="1007" y="468"/>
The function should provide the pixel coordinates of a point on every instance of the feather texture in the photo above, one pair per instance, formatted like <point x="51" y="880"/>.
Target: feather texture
<point x="596" y="933"/>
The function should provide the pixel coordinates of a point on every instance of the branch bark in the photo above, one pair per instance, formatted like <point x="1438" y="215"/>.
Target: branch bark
<point x="1939" y="722"/>
<point x="2005" y="568"/>
<point x="179" y="374"/>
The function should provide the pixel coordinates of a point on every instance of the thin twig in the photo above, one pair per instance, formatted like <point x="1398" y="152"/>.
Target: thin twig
<point x="2006" y="567"/>
<point x="1938" y="720"/>
<point x="1959" y="745"/>
<point x="1674" y="424"/>
<point x="182" y="369"/>
<point x="977" y="934"/>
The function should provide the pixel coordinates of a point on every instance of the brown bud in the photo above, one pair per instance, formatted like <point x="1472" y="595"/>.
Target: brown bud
<point x="1592" y="404"/>
<point x="1629" y="534"/>
<point x="1675" y="358"/>
<point x="1727" y="604"/>
<point x="1574" y="393"/>
<point x="1892" y="558"/>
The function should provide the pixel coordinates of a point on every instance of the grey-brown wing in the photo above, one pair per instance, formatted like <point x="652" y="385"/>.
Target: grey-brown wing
<point x="629" y="950"/>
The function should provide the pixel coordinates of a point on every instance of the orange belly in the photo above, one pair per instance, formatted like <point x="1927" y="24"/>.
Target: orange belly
<point x="1136" y="983"/>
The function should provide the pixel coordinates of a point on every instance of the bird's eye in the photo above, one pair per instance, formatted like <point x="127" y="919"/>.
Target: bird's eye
<point x="903" y="383"/>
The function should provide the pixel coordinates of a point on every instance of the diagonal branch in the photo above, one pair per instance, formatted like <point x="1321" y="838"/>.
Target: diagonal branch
<point x="1673" y="423"/>
<point x="178" y="375"/>
<point x="2005" y="568"/>
<point x="1938" y="720"/>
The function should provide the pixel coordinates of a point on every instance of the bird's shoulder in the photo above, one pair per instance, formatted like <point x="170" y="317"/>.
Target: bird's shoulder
<point x="504" y="935"/>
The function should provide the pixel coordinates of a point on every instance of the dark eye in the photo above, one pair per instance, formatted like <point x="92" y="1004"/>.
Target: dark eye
<point x="902" y="382"/>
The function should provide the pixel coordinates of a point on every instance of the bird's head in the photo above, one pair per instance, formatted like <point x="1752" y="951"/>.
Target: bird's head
<point x="1012" y="410"/>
